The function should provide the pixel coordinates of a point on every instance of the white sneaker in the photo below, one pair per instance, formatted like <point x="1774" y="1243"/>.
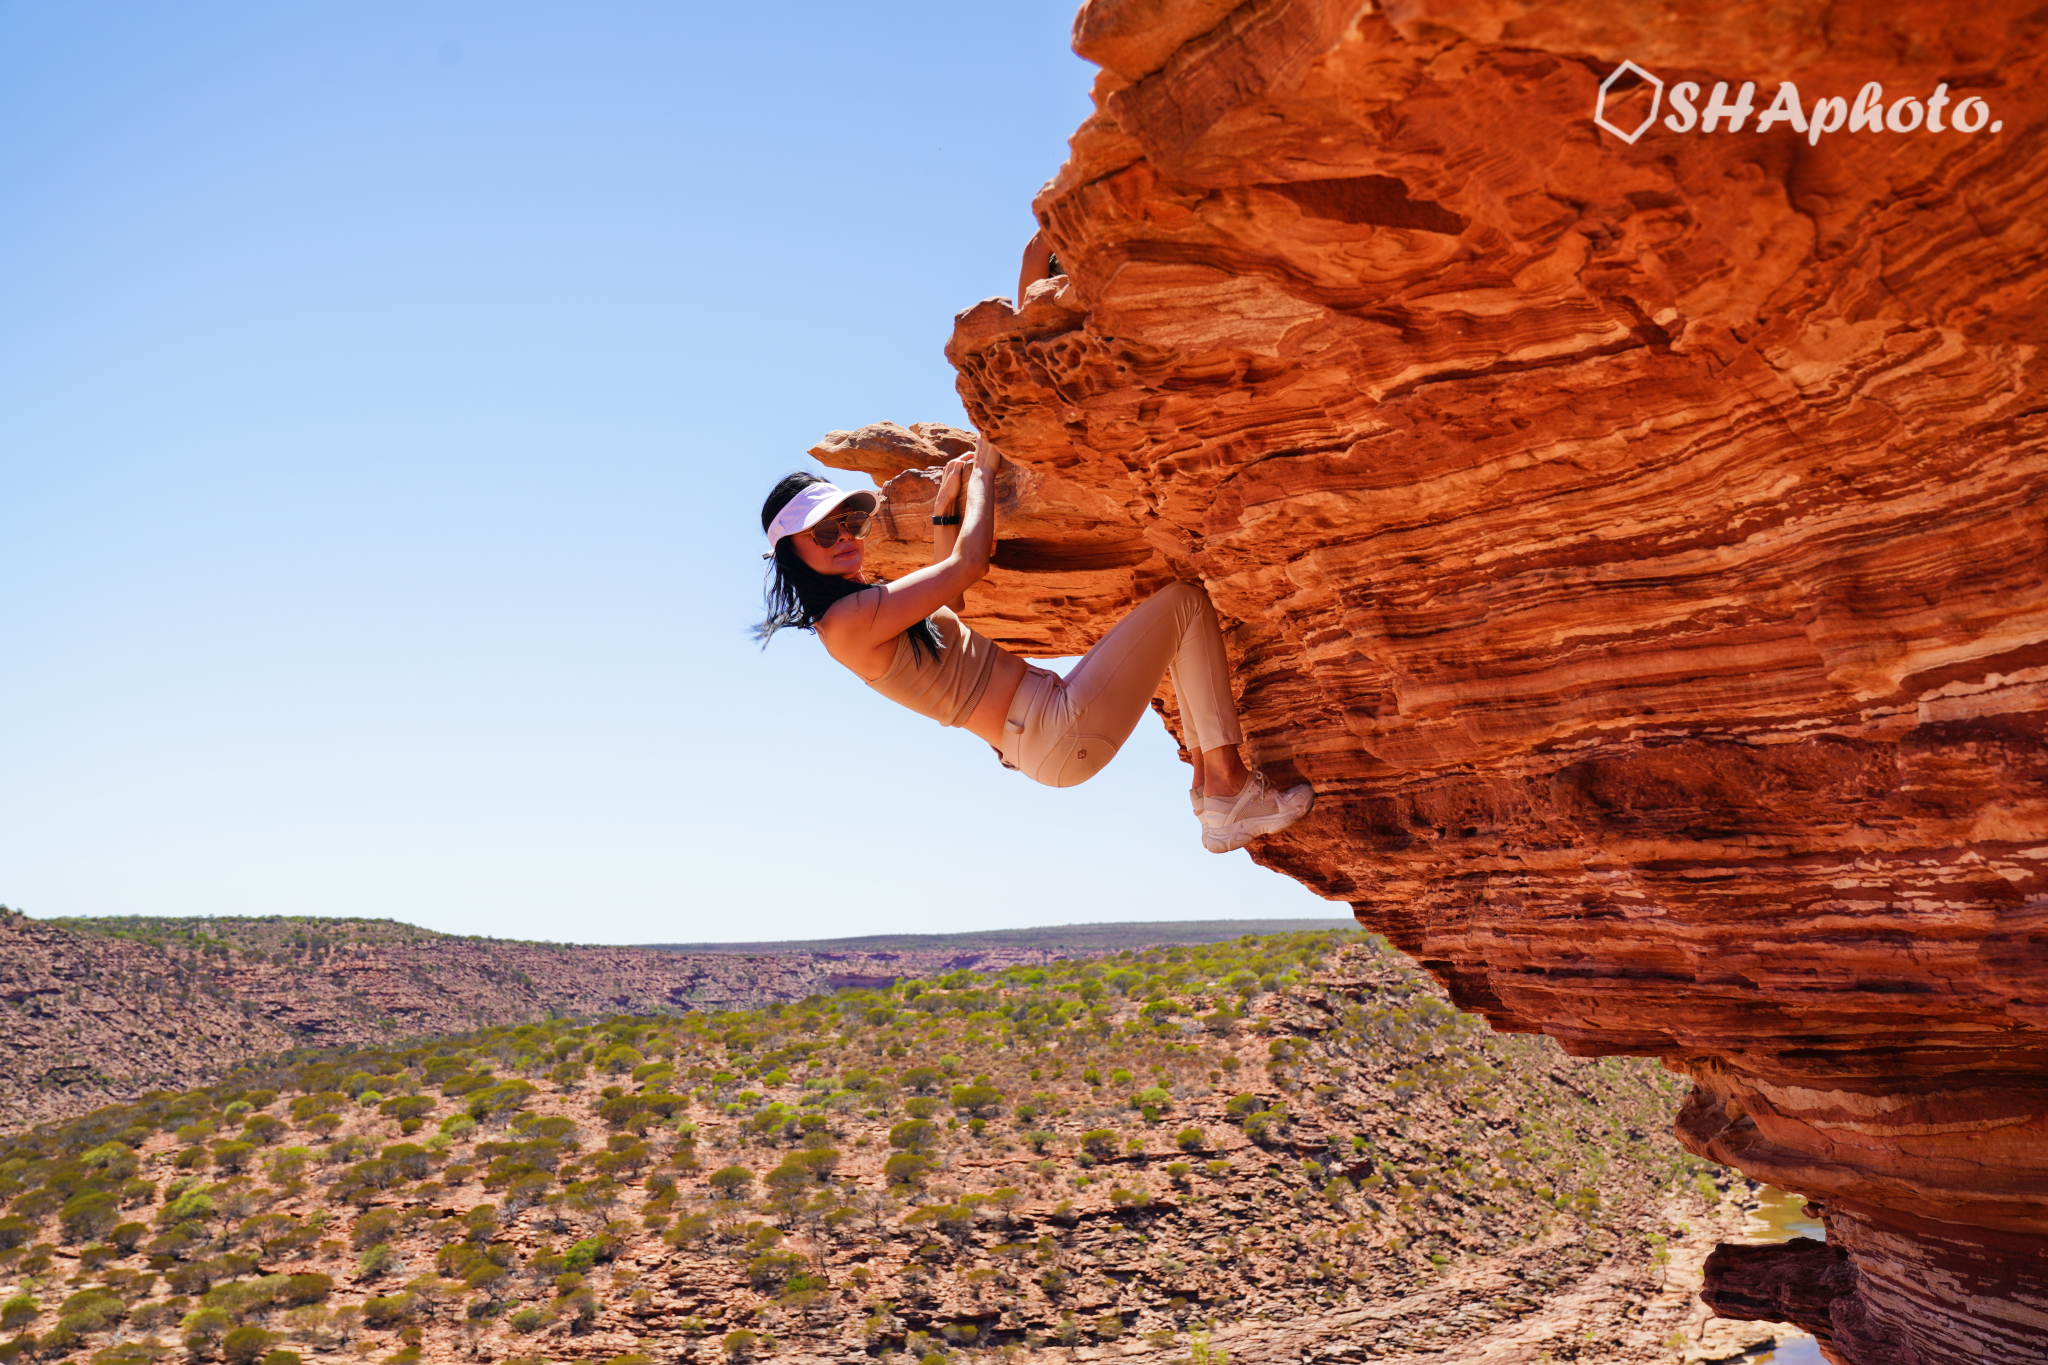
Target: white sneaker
<point x="1230" y="822"/>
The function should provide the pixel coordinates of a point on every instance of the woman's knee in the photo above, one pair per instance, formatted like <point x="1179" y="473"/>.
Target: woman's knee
<point x="1189" y="600"/>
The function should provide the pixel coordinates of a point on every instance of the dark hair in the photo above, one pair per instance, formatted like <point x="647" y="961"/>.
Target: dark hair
<point x="798" y="595"/>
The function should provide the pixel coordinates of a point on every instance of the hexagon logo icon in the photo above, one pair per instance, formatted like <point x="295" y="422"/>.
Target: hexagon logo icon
<point x="1606" y="86"/>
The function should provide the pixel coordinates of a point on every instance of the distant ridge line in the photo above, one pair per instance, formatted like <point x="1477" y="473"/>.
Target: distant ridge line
<point x="1110" y="935"/>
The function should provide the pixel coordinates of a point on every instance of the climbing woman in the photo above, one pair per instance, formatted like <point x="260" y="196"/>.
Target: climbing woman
<point x="903" y="639"/>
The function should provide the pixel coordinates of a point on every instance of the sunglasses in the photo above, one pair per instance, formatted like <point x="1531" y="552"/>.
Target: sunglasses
<point x="826" y="533"/>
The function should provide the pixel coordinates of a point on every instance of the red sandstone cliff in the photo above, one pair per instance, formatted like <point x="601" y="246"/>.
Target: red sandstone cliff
<point x="1641" y="546"/>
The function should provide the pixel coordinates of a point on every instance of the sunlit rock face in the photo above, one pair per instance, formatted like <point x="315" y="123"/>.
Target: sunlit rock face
<point x="1642" y="547"/>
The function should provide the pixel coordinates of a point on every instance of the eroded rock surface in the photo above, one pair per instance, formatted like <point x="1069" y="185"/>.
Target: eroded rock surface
<point x="1641" y="547"/>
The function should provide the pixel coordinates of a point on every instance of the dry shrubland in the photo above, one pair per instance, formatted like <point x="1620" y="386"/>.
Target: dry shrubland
<point x="1148" y="1148"/>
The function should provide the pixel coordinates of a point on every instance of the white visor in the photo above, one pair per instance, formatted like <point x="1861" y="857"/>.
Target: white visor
<point x="812" y="505"/>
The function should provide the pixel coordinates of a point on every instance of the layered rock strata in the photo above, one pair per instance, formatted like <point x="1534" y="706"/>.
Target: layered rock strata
<point x="1641" y="546"/>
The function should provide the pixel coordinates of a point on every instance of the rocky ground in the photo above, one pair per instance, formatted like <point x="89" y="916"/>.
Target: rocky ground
<point x="1278" y="1149"/>
<point x="93" y="1011"/>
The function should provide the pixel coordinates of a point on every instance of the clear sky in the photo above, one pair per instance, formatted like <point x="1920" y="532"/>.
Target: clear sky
<point x="387" y="395"/>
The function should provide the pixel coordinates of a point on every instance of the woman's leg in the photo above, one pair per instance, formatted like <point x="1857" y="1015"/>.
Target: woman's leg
<point x="1104" y="694"/>
<point x="1069" y="728"/>
<point x="1220" y="772"/>
<point x="1201" y="680"/>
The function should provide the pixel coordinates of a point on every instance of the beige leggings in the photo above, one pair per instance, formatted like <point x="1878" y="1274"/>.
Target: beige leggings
<point x="1062" y="731"/>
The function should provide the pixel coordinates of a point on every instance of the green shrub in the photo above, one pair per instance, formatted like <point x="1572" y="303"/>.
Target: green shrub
<point x="913" y="1135"/>
<point x="187" y="1207"/>
<point x="409" y="1160"/>
<point x="730" y="1182"/>
<point x="204" y="1327"/>
<point x="689" y="1230"/>
<point x="233" y="1157"/>
<point x="770" y="1269"/>
<point x="189" y="1277"/>
<point x="59" y="1340"/>
<point x="92" y="1310"/>
<point x="116" y="1159"/>
<point x="527" y="1320"/>
<point x="1190" y="1139"/>
<point x="591" y="1251"/>
<point x="618" y="1059"/>
<point x="979" y="1100"/>
<point x="501" y="1099"/>
<point x="324" y="1102"/>
<point x="19" y="1311"/>
<point x="244" y="1345"/>
<point x="905" y="1168"/>
<point x="301" y="1289"/>
<point x="263" y="1129"/>
<point x="374" y="1226"/>
<point x="129" y="1353"/>
<point x="88" y="1216"/>
<point x="1260" y="1125"/>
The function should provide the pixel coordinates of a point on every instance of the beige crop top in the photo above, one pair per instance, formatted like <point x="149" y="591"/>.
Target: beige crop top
<point x="947" y="688"/>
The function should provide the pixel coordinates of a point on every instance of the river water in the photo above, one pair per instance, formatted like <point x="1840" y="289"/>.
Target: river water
<point x="1779" y="1220"/>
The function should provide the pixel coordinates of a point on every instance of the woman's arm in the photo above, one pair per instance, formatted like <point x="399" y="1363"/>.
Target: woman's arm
<point x="1036" y="266"/>
<point x="866" y="620"/>
<point x="946" y="503"/>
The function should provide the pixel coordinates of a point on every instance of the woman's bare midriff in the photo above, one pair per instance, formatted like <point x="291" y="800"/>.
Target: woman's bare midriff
<point x="985" y="721"/>
<point x="989" y="714"/>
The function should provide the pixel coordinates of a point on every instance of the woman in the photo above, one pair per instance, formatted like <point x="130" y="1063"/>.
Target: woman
<point x="904" y="640"/>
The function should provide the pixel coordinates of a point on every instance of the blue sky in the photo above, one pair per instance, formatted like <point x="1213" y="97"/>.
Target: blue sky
<point x="387" y="393"/>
